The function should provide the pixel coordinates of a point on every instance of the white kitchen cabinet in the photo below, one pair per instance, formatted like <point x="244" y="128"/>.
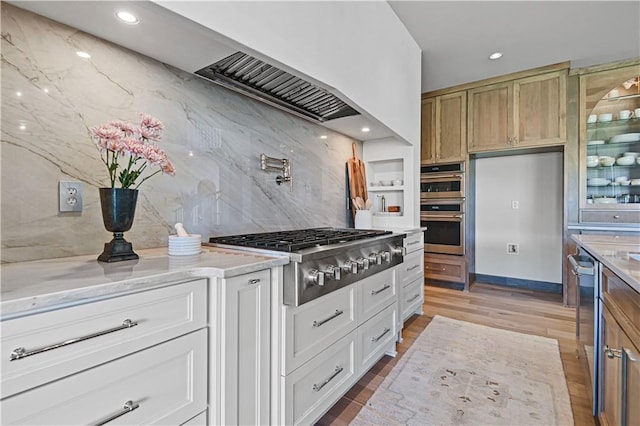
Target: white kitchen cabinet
<point x="376" y="293"/>
<point x="411" y="277"/>
<point x="149" y="318"/>
<point x="164" y="384"/>
<point x="239" y="349"/>
<point x="313" y="388"/>
<point x="374" y="337"/>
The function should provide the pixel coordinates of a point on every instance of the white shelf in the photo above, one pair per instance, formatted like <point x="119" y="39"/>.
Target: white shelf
<point x="385" y="188"/>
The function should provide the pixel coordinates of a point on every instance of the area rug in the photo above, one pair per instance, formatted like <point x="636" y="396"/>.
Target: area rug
<point x="459" y="373"/>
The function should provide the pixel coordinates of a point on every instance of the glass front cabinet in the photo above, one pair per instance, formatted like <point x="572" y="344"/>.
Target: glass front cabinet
<point x="610" y="146"/>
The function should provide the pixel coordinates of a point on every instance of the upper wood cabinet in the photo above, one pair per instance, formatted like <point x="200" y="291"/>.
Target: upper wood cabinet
<point x="444" y="128"/>
<point x="525" y="112"/>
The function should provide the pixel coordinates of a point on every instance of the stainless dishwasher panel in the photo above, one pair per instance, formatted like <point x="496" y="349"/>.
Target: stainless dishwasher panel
<point x="587" y="271"/>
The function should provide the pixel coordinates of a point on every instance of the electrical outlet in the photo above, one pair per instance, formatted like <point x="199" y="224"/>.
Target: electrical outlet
<point x="513" y="248"/>
<point x="515" y="204"/>
<point x="70" y="196"/>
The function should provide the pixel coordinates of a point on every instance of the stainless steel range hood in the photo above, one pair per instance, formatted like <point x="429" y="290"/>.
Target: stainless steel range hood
<point x="259" y="80"/>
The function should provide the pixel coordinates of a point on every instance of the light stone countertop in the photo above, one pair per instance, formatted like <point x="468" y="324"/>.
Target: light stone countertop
<point x="621" y="254"/>
<point x="38" y="286"/>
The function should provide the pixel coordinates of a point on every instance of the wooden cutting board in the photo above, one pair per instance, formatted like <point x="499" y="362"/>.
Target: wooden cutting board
<point x="357" y="178"/>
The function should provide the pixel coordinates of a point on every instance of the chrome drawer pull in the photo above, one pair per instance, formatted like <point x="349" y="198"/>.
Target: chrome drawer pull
<point x="254" y="281"/>
<point x="413" y="242"/>
<point x="413" y="298"/>
<point x="375" y="339"/>
<point x="337" y="371"/>
<point x="413" y="267"/>
<point x="374" y="292"/>
<point x="612" y="353"/>
<point x="129" y="406"/>
<point x="21" y="352"/>
<point x="319" y="323"/>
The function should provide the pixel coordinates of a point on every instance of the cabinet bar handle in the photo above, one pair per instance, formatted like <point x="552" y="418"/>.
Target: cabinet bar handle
<point x="386" y="330"/>
<point x="616" y="216"/>
<point x="337" y="371"/>
<point x="21" y="352"/>
<point x="128" y="407"/>
<point x="413" y="242"/>
<point x="254" y="281"/>
<point x="319" y="323"/>
<point x="413" y="267"/>
<point x="374" y="292"/>
<point x="413" y="298"/>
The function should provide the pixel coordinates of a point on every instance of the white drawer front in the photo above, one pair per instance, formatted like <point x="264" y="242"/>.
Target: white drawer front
<point x="168" y="382"/>
<point x="414" y="242"/>
<point x="374" y="337"/>
<point x="317" y="385"/>
<point x="412" y="298"/>
<point x="161" y="314"/>
<point x="376" y="293"/>
<point x="412" y="267"/>
<point x="313" y="326"/>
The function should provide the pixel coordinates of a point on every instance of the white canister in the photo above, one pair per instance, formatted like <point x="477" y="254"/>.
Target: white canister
<point x="364" y="220"/>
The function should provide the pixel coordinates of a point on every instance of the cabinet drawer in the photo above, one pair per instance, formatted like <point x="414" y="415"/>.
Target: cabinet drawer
<point x="412" y="267"/>
<point x="168" y="382"/>
<point x="444" y="268"/>
<point x="625" y="299"/>
<point x="413" y="242"/>
<point x="412" y="297"/>
<point x="199" y="420"/>
<point x="313" y="326"/>
<point x="374" y="337"/>
<point x="376" y="293"/>
<point x="160" y="314"/>
<point x="317" y="385"/>
<point x="609" y="216"/>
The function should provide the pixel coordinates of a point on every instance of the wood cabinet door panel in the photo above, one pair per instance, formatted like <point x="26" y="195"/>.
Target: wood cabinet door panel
<point x="428" y="130"/>
<point x="452" y="118"/>
<point x="540" y="109"/>
<point x="611" y="371"/>
<point x="490" y="117"/>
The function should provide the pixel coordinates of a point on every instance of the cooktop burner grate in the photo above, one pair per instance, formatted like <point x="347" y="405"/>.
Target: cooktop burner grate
<point x="292" y="241"/>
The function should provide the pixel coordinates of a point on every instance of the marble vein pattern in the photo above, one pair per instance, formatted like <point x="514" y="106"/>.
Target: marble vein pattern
<point x="51" y="99"/>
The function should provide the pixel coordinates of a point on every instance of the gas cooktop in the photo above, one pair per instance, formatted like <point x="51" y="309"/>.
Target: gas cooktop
<point x="295" y="240"/>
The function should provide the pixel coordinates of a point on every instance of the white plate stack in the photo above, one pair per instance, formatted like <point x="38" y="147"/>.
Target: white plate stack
<point x="185" y="246"/>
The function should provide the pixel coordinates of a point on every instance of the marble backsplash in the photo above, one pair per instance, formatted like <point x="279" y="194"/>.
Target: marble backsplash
<point x="51" y="98"/>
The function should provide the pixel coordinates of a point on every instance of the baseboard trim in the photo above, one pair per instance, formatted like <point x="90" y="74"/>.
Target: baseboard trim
<point x="445" y="284"/>
<point x="519" y="283"/>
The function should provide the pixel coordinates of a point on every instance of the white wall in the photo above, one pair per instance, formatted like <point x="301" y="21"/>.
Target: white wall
<point x="359" y="48"/>
<point x="535" y="181"/>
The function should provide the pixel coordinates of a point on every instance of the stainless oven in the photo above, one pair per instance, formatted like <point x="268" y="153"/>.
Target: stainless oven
<point x="441" y="181"/>
<point x="444" y="220"/>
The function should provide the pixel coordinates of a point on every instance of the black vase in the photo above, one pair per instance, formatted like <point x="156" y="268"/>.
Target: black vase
<point x="118" y="209"/>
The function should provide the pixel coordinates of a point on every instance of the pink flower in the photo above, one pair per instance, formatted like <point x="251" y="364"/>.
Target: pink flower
<point x="119" y="138"/>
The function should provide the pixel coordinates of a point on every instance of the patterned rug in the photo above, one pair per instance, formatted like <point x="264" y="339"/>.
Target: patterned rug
<point x="459" y="373"/>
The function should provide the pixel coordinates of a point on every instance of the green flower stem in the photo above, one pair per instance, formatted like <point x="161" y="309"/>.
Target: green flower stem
<point x="152" y="174"/>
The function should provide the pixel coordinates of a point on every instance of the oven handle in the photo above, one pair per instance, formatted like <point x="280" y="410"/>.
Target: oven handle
<point x="442" y="216"/>
<point x="434" y="176"/>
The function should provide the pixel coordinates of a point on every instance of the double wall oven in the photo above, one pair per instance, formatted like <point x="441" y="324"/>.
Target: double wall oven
<point x="442" y="207"/>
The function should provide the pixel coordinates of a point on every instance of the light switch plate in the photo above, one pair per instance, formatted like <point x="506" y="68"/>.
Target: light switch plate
<point x="70" y="196"/>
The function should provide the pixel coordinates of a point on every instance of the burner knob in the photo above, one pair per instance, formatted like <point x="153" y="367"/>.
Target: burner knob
<point x="375" y="259"/>
<point x="385" y="255"/>
<point x="316" y="277"/>
<point x="362" y="263"/>
<point x="333" y="272"/>
<point x="399" y="250"/>
<point x="350" y="266"/>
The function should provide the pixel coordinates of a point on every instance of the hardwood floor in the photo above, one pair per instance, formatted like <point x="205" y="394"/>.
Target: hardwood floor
<point x="519" y="310"/>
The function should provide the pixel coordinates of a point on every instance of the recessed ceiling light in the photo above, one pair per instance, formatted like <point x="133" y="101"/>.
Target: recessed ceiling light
<point x="323" y="137"/>
<point x="365" y="129"/>
<point x="23" y="126"/>
<point x="18" y="94"/>
<point x="45" y="90"/>
<point x="83" y="55"/>
<point x="127" y="17"/>
<point x="495" y="55"/>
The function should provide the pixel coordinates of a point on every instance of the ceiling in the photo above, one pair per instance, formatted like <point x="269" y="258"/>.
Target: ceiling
<point x="456" y="37"/>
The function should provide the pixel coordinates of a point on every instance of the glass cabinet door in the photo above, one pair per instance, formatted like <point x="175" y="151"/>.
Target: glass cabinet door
<point x="613" y="148"/>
